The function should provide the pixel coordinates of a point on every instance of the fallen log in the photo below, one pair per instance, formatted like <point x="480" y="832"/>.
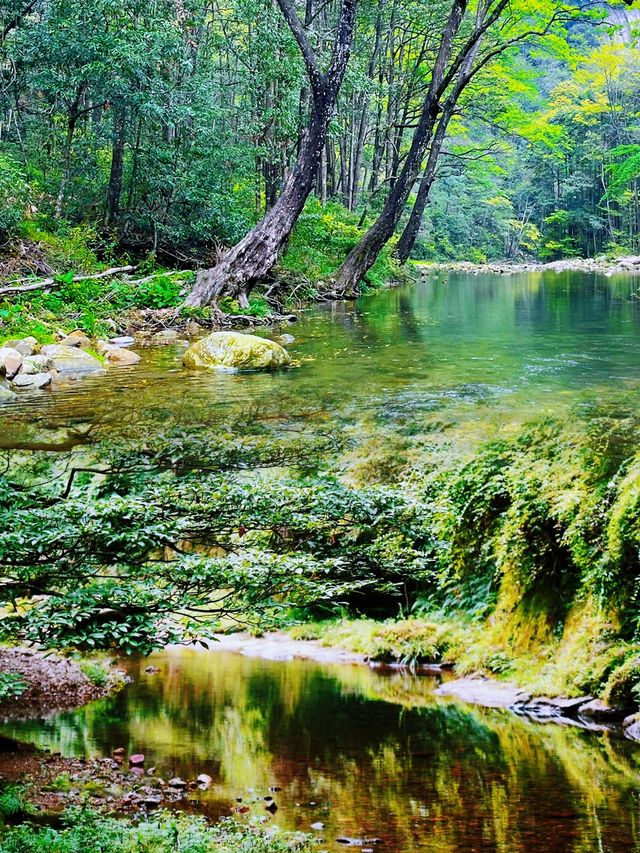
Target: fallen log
<point x="52" y="282"/>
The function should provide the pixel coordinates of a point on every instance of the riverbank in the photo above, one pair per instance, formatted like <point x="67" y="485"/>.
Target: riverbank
<point x="603" y="265"/>
<point x="37" y="684"/>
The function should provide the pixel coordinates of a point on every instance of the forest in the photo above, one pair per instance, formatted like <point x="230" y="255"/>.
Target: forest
<point x="319" y="457"/>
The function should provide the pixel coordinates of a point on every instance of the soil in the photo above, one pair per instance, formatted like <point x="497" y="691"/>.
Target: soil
<point x="55" y="684"/>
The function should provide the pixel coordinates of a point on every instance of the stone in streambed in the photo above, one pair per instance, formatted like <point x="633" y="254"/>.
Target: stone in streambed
<point x="36" y="364"/>
<point x="6" y="396"/>
<point x="235" y="351"/>
<point x="10" y="362"/>
<point x="71" y="360"/>
<point x="31" y="381"/>
<point x="596" y="709"/>
<point x="136" y="760"/>
<point x="124" y="341"/>
<point x="121" y="356"/>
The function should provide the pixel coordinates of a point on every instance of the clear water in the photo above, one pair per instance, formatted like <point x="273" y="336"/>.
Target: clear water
<point x="478" y="350"/>
<point x="366" y="753"/>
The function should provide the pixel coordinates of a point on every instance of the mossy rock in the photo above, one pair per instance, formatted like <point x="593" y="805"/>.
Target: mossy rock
<point x="235" y="351"/>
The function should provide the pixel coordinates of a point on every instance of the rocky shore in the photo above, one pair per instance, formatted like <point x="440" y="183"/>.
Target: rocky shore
<point x="50" y="683"/>
<point x="601" y="264"/>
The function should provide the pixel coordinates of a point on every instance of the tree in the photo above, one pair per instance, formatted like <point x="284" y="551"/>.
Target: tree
<point x="254" y="256"/>
<point x="456" y="64"/>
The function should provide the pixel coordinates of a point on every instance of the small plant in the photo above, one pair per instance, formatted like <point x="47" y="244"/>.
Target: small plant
<point x="95" y="672"/>
<point x="12" y="685"/>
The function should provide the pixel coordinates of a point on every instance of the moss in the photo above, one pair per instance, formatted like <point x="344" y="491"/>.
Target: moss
<point x="623" y="686"/>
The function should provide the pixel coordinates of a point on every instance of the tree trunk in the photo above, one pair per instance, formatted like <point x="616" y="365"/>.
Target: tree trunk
<point x="363" y="256"/>
<point x="251" y="259"/>
<point x="114" y="190"/>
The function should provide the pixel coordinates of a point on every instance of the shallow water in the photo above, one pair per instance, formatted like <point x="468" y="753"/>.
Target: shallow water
<point x="450" y="349"/>
<point x="366" y="753"/>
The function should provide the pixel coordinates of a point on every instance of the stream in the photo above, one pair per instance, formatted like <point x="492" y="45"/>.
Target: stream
<point x="373" y="753"/>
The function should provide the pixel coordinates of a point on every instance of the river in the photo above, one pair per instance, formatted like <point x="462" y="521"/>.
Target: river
<point x="371" y="753"/>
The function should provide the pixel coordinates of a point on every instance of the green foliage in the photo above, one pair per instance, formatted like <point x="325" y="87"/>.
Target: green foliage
<point x="95" y="672"/>
<point x="323" y="236"/>
<point x="12" y="802"/>
<point x="623" y="686"/>
<point x="164" y="833"/>
<point x="12" y="685"/>
<point x="14" y="195"/>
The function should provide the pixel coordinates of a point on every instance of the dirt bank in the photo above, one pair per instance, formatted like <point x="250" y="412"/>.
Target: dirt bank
<point x="53" y="683"/>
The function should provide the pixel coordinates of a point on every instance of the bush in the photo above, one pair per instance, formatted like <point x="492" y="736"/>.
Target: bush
<point x="14" y="196"/>
<point x="163" y="834"/>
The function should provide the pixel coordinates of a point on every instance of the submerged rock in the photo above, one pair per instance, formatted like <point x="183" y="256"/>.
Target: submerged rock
<point x="68" y="360"/>
<point x="235" y="351"/>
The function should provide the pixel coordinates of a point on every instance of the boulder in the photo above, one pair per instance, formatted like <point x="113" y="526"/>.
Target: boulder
<point x="10" y="362"/>
<point x="31" y="381"/>
<point x="121" y="356"/>
<point x="75" y="339"/>
<point x="192" y="328"/>
<point x="166" y="336"/>
<point x="286" y="339"/>
<point x="70" y="360"/>
<point x="6" y="396"/>
<point x="631" y="726"/>
<point x="235" y="351"/>
<point x="36" y="364"/>
<point x="124" y="341"/>
<point x="596" y="709"/>
<point x="27" y="346"/>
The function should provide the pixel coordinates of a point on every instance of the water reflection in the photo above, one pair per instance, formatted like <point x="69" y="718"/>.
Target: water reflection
<point x="377" y="755"/>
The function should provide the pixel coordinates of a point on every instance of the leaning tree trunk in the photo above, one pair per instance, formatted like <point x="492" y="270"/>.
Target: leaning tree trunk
<point x="363" y="256"/>
<point x="412" y="228"/>
<point x="253" y="257"/>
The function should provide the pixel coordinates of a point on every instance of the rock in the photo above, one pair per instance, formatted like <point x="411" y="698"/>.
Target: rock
<point x="631" y="727"/>
<point x="192" y="328"/>
<point x="123" y="341"/>
<point x="542" y="706"/>
<point x="26" y="346"/>
<point x="151" y="670"/>
<point x="70" y="360"/>
<point x="286" y="339"/>
<point x="358" y="842"/>
<point x="204" y="780"/>
<point x="119" y="751"/>
<point x="102" y="346"/>
<point x="235" y="351"/>
<point x="136" y="760"/>
<point x="166" y="336"/>
<point x="120" y="355"/>
<point x="10" y="362"/>
<point x="36" y="364"/>
<point x="177" y="783"/>
<point x="6" y="396"/>
<point x="596" y="709"/>
<point x="31" y="381"/>
<point x="271" y="807"/>
<point x="317" y="826"/>
<point x="152" y="802"/>
<point x="70" y="342"/>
